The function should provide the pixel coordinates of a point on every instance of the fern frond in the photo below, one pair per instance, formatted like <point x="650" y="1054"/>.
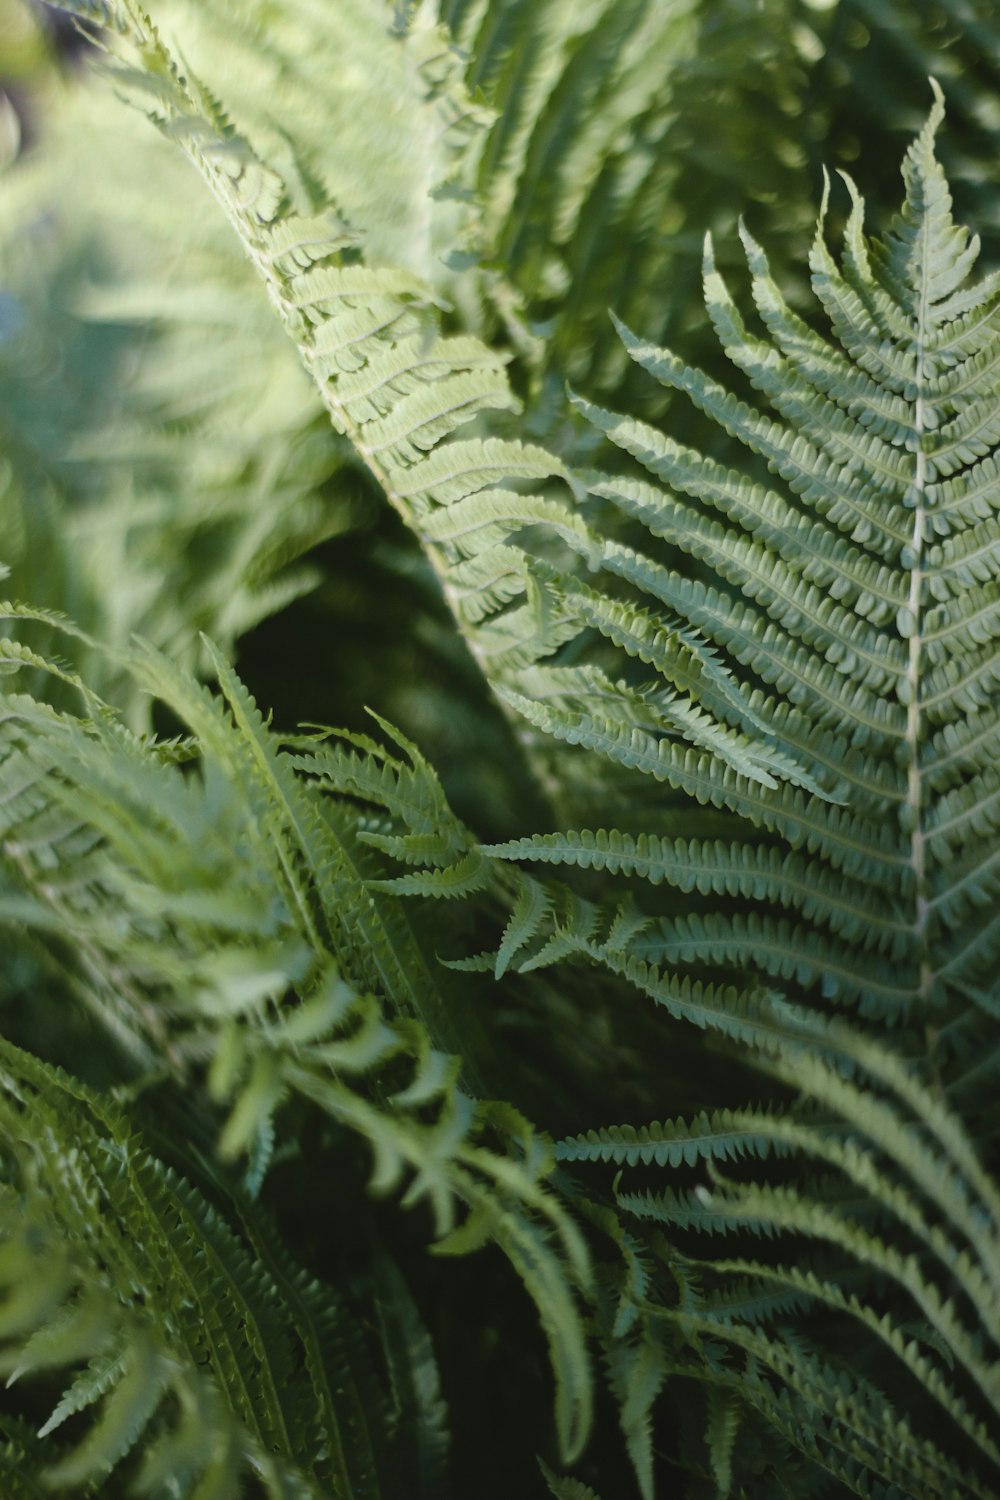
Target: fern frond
<point x="915" y="1214"/>
<point x="398" y="391"/>
<point x="756" y="872"/>
<point x="179" y="1329"/>
<point x="288" y="981"/>
<point x="870" y="642"/>
<point x="723" y="1136"/>
<point x="565" y="1488"/>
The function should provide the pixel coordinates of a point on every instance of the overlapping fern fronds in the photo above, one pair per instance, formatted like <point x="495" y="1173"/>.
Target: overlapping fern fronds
<point x="398" y="389"/>
<point x="852" y="622"/>
<point x="299" y="979"/>
<point x="852" y="585"/>
<point x="758" y="692"/>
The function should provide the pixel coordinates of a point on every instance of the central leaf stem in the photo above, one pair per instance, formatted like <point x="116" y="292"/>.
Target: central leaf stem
<point x="914" y="790"/>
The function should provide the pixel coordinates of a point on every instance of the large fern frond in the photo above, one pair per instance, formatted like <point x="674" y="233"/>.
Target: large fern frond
<point x="849" y="589"/>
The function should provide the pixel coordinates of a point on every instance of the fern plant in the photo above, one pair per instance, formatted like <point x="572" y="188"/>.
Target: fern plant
<point x="739" y="637"/>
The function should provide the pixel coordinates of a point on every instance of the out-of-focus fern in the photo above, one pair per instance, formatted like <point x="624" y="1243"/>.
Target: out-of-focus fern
<point x="127" y="446"/>
<point x="622" y="132"/>
<point x="872" y="72"/>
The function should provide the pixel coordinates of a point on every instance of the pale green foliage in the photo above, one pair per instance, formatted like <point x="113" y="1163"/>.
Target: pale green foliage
<point x="748" y="649"/>
<point x="100" y="408"/>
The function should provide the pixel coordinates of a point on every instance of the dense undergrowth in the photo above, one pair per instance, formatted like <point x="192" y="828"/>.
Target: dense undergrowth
<point x="498" y="750"/>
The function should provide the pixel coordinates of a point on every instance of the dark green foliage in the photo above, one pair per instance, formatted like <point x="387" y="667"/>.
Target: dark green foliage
<point x="653" y="960"/>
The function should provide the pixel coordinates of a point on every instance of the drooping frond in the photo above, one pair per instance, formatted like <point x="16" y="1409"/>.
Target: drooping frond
<point x="301" y="979"/>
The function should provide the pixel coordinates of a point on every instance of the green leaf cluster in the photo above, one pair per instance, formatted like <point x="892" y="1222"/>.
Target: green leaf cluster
<point x="647" y="974"/>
